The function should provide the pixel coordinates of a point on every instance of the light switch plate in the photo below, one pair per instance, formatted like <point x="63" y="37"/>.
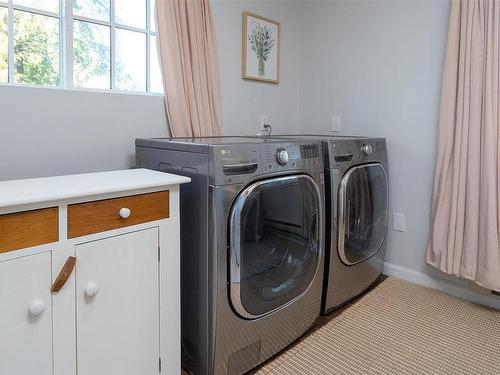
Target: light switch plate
<point x="399" y="222"/>
<point x="336" y="127"/>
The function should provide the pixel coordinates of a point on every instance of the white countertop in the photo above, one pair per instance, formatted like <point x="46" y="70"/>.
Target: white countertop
<point x="47" y="189"/>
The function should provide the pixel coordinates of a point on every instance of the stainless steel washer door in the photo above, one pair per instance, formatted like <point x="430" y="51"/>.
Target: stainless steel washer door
<point x="363" y="212"/>
<point x="274" y="244"/>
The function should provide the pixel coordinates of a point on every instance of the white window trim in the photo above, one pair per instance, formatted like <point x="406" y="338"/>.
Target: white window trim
<point x="66" y="18"/>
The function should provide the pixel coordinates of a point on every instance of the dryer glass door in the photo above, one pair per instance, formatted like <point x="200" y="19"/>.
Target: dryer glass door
<point x="363" y="211"/>
<point x="274" y="243"/>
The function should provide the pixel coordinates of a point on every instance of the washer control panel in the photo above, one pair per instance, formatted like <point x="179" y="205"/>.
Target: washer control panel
<point x="235" y="163"/>
<point x="281" y="156"/>
<point x="309" y="151"/>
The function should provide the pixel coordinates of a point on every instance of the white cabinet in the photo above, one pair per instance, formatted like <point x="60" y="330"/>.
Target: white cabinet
<point x="117" y="305"/>
<point x="89" y="274"/>
<point x="26" y="315"/>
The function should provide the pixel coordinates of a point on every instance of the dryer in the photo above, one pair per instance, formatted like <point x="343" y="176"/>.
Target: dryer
<point x="251" y="245"/>
<point x="357" y="191"/>
<point x="357" y="208"/>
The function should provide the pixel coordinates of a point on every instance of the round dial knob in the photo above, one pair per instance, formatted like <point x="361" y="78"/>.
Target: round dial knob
<point x="282" y="156"/>
<point x="367" y="149"/>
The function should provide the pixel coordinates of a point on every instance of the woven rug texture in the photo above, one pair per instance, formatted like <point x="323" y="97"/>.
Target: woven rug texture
<point x="399" y="328"/>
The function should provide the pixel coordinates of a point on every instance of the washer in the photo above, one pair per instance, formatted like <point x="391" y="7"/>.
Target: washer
<point x="251" y="245"/>
<point x="356" y="198"/>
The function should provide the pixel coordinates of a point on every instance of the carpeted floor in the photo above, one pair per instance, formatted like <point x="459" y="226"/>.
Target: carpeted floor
<point x="399" y="328"/>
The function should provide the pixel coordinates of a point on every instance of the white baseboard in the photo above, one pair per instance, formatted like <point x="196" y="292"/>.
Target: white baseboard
<point x="449" y="287"/>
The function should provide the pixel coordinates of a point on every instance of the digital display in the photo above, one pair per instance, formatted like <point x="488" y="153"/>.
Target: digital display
<point x="309" y="151"/>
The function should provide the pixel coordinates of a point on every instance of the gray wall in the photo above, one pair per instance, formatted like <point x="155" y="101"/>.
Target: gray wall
<point x="46" y="132"/>
<point x="378" y="64"/>
<point x="244" y="101"/>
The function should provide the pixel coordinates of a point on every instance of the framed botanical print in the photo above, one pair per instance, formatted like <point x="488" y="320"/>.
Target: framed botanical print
<point x="261" y="48"/>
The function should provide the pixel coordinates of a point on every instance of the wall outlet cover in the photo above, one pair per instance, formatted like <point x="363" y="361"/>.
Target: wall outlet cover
<point x="399" y="222"/>
<point x="336" y="127"/>
<point x="264" y="120"/>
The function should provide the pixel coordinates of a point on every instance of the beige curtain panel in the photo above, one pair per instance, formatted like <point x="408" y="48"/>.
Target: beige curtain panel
<point x="188" y="55"/>
<point x="465" y="233"/>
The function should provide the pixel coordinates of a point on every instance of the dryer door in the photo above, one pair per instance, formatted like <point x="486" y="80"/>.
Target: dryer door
<point x="363" y="212"/>
<point x="274" y="231"/>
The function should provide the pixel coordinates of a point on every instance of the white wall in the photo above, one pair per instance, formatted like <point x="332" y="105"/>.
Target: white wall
<point x="244" y="101"/>
<point x="378" y="64"/>
<point x="46" y="132"/>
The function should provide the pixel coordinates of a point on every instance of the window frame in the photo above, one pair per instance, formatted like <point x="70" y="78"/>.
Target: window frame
<point x="66" y="19"/>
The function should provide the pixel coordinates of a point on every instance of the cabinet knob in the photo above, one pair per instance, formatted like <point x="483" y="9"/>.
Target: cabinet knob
<point x="124" y="212"/>
<point x="91" y="289"/>
<point x="36" y="307"/>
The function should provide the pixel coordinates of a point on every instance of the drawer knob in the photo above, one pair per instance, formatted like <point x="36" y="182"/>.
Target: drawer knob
<point x="91" y="289"/>
<point x="36" y="307"/>
<point x="124" y="212"/>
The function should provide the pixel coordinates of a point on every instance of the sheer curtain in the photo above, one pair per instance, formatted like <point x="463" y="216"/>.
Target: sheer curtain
<point x="465" y="231"/>
<point x="188" y="54"/>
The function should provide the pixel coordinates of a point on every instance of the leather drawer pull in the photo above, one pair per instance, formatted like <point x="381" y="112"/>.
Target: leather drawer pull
<point x="64" y="275"/>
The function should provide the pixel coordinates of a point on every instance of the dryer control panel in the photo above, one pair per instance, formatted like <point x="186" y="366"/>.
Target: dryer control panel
<point x="350" y="151"/>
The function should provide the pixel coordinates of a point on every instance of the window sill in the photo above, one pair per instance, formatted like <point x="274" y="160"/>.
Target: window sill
<point x="74" y="89"/>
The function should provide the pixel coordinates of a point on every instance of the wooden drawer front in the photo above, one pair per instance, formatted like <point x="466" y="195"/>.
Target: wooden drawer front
<point x="100" y="216"/>
<point x="29" y="228"/>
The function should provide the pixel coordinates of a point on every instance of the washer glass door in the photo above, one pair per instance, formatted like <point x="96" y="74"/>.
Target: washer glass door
<point x="363" y="211"/>
<point x="274" y="243"/>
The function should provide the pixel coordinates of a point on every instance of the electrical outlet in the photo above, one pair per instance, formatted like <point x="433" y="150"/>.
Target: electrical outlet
<point x="264" y="120"/>
<point x="399" y="222"/>
<point x="336" y="124"/>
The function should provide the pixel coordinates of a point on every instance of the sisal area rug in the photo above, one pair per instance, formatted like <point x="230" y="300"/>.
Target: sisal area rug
<point x="399" y="328"/>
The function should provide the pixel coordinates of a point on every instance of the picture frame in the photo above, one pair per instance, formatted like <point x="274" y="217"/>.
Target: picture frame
<point x="261" y="39"/>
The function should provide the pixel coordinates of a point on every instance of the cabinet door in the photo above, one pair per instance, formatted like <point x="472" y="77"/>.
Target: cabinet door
<point x="26" y="315"/>
<point x="117" y="307"/>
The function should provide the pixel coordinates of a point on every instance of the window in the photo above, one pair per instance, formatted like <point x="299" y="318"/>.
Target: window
<point x="30" y="42"/>
<point x="89" y="44"/>
<point x="4" y="45"/>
